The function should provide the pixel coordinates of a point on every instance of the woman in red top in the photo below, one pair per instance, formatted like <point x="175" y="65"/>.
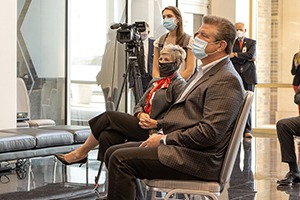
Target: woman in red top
<point x="112" y="127"/>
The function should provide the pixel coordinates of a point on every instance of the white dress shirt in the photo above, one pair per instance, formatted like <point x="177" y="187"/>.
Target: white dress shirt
<point x="146" y="49"/>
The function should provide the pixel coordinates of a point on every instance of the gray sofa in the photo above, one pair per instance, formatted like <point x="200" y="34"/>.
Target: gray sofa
<point x="20" y="143"/>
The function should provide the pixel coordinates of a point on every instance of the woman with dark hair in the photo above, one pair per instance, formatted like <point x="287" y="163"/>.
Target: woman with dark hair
<point x="112" y="127"/>
<point x="172" y="21"/>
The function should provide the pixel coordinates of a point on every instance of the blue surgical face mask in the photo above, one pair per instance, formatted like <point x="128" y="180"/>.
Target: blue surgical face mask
<point x="199" y="47"/>
<point x="169" y="23"/>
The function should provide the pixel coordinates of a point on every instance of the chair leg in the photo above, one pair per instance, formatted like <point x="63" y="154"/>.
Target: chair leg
<point x="87" y="171"/>
<point x="153" y="195"/>
<point x="54" y="170"/>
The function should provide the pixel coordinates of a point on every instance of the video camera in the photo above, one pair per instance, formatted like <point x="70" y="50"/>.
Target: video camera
<point x="129" y="33"/>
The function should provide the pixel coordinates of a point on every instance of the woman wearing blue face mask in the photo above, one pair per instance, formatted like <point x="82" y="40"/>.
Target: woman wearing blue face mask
<point x="172" y="21"/>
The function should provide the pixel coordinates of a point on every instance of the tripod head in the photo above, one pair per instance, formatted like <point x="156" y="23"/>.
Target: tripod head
<point x="131" y="35"/>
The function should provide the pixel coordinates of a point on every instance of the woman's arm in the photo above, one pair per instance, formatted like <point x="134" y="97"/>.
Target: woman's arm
<point x="155" y="68"/>
<point x="190" y="65"/>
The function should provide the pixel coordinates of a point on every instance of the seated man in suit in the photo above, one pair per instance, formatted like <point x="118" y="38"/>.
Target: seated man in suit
<point x="286" y="130"/>
<point x="242" y="57"/>
<point x="196" y="129"/>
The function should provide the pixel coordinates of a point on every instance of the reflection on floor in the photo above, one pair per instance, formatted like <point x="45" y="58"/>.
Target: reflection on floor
<point x="256" y="169"/>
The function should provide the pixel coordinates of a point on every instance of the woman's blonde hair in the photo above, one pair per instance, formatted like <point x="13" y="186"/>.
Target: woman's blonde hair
<point x="177" y="53"/>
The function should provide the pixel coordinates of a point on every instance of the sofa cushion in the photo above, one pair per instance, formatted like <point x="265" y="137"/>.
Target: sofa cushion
<point x="81" y="133"/>
<point x="44" y="137"/>
<point x="41" y="122"/>
<point x="16" y="142"/>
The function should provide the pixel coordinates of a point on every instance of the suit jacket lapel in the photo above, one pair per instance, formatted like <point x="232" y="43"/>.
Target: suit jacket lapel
<point x="236" y="47"/>
<point x="244" y="42"/>
<point x="150" y="52"/>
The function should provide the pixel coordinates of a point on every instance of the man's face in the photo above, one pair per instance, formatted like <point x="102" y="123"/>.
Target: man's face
<point x="206" y="33"/>
<point x="240" y="30"/>
<point x="144" y="35"/>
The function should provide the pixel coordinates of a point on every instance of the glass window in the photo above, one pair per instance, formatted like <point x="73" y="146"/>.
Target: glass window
<point x="97" y="60"/>
<point x="41" y="39"/>
<point x="277" y="43"/>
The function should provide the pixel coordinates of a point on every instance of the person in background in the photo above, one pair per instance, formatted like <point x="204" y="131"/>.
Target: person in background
<point x="148" y="60"/>
<point x="243" y="57"/>
<point x="172" y="21"/>
<point x="112" y="68"/>
<point x="195" y="130"/>
<point x="296" y="72"/>
<point x="286" y="130"/>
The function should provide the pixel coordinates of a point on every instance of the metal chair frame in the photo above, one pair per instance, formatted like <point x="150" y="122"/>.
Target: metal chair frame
<point x="203" y="188"/>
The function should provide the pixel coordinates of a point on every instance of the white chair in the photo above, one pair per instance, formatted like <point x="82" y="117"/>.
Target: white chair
<point x="23" y="106"/>
<point x="203" y="188"/>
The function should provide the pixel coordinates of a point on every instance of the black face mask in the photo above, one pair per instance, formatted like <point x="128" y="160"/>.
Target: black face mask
<point x="167" y="69"/>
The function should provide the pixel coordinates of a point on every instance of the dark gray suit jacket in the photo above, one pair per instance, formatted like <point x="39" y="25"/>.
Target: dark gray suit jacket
<point x="199" y="127"/>
<point x="163" y="98"/>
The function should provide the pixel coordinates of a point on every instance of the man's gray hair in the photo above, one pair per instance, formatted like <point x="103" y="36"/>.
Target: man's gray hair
<point x="225" y="30"/>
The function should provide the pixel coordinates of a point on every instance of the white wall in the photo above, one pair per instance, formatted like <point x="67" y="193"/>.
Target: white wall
<point x="8" y="53"/>
<point x="243" y="14"/>
<point x="224" y="8"/>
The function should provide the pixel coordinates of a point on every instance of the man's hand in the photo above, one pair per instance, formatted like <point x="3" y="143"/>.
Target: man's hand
<point x="146" y="122"/>
<point x="231" y="55"/>
<point x="152" y="141"/>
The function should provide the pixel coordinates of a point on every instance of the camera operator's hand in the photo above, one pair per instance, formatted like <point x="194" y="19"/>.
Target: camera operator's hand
<point x="146" y="122"/>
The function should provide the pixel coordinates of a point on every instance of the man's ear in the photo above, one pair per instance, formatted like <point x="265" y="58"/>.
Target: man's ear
<point x="223" y="45"/>
<point x="148" y="32"/>
<point x="245" y="30"/>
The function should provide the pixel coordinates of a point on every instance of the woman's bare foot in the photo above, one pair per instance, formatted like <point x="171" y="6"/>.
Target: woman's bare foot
<point x="74" y="156"/>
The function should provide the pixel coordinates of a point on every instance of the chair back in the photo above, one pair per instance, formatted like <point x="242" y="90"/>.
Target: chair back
<point x="23" y="105"/>
<point x="235" y="140"/>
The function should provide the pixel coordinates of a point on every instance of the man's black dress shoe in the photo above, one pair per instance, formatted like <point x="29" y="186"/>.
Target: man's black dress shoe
<point x="290" y="177"/>
<point x="61" y="158"/>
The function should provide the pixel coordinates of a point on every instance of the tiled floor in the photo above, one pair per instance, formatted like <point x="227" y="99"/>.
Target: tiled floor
<point x="257" y="167"/>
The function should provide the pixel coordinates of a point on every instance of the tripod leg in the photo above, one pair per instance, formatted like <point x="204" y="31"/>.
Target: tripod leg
<point x="122" y="88"/>
<point x="97" y="180"/>
<point x="138" y="87"/>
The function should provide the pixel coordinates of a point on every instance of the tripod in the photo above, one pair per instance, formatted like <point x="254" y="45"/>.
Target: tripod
<point x="132" y="66"/>
<point x="136" y="66"/>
